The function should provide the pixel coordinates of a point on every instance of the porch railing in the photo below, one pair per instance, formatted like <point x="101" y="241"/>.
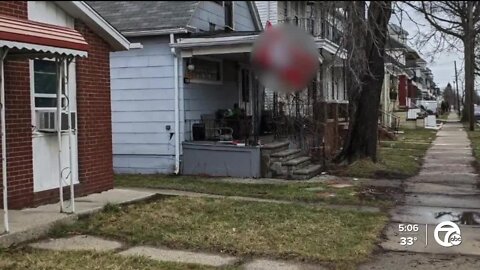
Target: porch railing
<point x="316" y="27"/>
<point x="389" y="120"/>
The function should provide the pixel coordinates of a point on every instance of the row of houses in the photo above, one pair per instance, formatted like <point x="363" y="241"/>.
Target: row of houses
<point x="408" y="81"/>
<point x="97" y="87"/>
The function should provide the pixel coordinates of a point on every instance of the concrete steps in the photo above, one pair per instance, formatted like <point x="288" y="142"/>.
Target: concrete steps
<point x="280" y="161"/>
<point x="307" y="172"/>
<point x="286" y="155"/>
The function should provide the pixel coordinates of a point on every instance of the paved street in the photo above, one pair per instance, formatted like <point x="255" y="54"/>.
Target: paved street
<point x="445" y="189"/>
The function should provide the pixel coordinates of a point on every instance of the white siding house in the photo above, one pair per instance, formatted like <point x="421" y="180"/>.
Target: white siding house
<point x="143" y="82"/>
<point x="142" y="108"/>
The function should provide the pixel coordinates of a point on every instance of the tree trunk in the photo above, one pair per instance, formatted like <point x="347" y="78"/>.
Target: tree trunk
<point x="469" y="54"/>
<point x="364" y="95"/>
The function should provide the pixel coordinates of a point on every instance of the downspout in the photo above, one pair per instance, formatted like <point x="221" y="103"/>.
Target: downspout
<point x="177" y="110"/>
<point x="3" y="54"/>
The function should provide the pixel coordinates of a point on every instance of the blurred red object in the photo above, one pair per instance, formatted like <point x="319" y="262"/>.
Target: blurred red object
<point x="285" y="58"/>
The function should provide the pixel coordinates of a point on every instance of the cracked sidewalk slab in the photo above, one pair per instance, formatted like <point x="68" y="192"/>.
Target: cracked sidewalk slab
<point x="180" y="256"/>
<point x="431" y="215"/>
<point x="434" y="200"/>
<point x="79" y="242"/>
<point x="266" y="264"/>
<point x="409" y="261"/>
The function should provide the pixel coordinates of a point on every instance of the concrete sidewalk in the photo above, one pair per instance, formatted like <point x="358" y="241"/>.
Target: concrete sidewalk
<point x="31" y="223"/>
<point x="163" y="254"/>
<point x="446" y="189"/>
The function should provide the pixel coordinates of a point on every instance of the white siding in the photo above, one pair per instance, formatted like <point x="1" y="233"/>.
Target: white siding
<point x="210" y="12"/>
<point x="242" y="19"/>
<point x="142" y="83"/>
<point x="268" y="11"/>
<point x="48" y="12"/>
<point x="142" y="108"/>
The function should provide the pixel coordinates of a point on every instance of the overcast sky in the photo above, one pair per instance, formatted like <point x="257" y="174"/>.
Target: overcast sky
<point x="442" y="62"/>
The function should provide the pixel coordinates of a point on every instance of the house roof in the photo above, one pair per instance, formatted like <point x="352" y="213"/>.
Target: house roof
<point x="153" y="17"/>
<point x="146" y="15"/>
<point x="83" y="12"/>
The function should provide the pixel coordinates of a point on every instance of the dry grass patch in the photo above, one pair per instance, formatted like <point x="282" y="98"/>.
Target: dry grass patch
<point x="301" y="192"/>
<point x="396" y="159"/>
<point x="283" y="231"/>
<point x="21" y="259"/>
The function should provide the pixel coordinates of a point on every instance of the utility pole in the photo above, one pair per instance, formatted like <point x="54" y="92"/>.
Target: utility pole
<point x="457" y="96"/>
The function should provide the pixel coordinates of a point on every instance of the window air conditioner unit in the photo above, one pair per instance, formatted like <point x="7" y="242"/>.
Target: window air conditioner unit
<point x="47" y="121"/>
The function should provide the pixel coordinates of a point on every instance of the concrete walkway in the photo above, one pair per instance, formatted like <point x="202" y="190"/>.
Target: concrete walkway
<point x="86" y="242"/>
<point x="445" y="189"/>
<point x="31" y="223"/>
<point x="174" y="192"/>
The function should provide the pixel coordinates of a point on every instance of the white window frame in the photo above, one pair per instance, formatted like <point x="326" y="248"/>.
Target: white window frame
<point x="34" y="95"/>
<point x="40" y="95"/>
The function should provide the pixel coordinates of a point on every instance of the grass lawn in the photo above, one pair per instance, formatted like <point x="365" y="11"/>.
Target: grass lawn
<point x="397" y="159"/>
<point x="284" y="231"/>
<point x="301" y="192"/>
<point x="21" y="259"/>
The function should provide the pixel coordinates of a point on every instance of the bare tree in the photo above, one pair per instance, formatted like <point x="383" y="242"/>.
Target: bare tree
<point x="365" y="35"/>
<point x="453" y="21"/>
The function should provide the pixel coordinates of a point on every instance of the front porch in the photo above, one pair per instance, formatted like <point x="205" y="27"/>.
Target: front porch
<point x="233" y="126"/>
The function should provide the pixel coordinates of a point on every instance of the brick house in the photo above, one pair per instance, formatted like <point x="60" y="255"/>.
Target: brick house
<point x="56" y="82"/>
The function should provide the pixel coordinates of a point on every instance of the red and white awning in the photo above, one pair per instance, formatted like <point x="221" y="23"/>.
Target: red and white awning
<point x="26" y="35"/>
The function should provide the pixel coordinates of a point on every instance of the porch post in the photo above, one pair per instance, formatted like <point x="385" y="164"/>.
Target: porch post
<point x="70" y="135"/>
<point x="3" y="54"/>
<point x="60" y="69"/>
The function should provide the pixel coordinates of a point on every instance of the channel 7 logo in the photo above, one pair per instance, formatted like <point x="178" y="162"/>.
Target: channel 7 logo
<point x="451" y="237"/>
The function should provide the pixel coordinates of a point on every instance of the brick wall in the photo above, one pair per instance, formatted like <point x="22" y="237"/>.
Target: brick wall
<point x="16" y="9"/>
<point x="18" y="118"/>
<point x="94" y="121"/>
<point x="94" y="115"/>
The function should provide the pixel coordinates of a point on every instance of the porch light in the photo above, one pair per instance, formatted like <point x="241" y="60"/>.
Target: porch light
<point x="190" y="65"/>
